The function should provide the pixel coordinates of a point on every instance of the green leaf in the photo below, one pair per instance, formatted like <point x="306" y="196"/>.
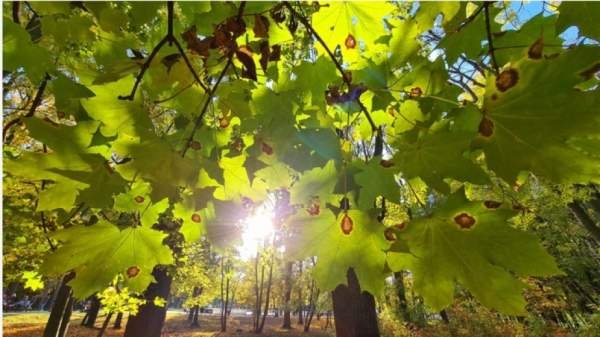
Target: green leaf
<point x="437" y="154"/>
<point x="335" y="21"/>
<point x="102" y="251"/>
<point x="376" y="180"/>
<point x="473" y="244"/>
<point x="584" y="15"/>
<point x="318" y="182"/>
<point x="323" y="141"/>
<point x="193" y="219"/>
<point x="322" y="236"/>
<point x="533" y="111"/>
<point x="19" y="51"/>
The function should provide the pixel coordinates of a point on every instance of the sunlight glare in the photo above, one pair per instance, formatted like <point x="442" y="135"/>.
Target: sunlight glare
<point x="257" y="230"/>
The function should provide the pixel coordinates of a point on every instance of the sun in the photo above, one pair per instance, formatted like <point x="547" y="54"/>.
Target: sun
<point x="257" y="231"/>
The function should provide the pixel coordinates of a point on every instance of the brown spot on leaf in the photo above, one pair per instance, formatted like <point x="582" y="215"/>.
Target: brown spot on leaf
<point x="139" y="199"/>
<point x="464" y="220"/>
<point x="60" y="114"/>
<point x="401" y="226"/>
<point x="536" y="50"/>
<point x="196" y="218"/>
<point x="350" y="42"/>
<point x="389" y="234"/>
<point x="223" y="122"/>
<point x="347" y="224"/>
<point x="133" y="271"/>
<point x="266" y="149"/>
<point x="314" y="209"/>
<point x="386" y="163"/>
<point x="416" y="92"/>
<point x="494" y="96"/>
<point x="195" y="145"/>
<point x="492" y="204"/>
<point x="486" y="127"/>
<point x="507" y="79"/>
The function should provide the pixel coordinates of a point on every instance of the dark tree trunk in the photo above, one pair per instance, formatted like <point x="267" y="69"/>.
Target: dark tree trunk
<point x="300" y="299"/>
<point x="401" y="293"/>
<point x="195" y="323"/>
<point x="354" y="311"/>
<point x="58" y="321"/>
<point x="118" y="320"/>
<point x="150" y="318"/>
<point x="105" y="324"/>
<point x="191" y="315"/>
<point x="268" y="297"/>
<point x="92" y="314"/>
<point x="585" y="220"/>
<point x="287" y="321"/>
<point x="312" y="306"/>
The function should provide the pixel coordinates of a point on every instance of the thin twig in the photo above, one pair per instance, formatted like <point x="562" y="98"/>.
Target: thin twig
<point x="488" y="29"/>
<point x="212" y="91"/>
<point x="339" y="67"/>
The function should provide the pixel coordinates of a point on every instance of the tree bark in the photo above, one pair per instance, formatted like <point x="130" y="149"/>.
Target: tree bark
<point x="92" y="314"/>
<point x="195" y="323"/>
<point x="118" y="320"/>
<point x="584" y="219"/>
<point x="58" y="321"/>
<point x="287" y="321"/>
<point x="354" y="311"/>
<point x="150" y="318"/>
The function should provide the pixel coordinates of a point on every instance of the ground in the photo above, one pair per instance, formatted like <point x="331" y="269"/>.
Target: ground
<point x="32" y="325"/>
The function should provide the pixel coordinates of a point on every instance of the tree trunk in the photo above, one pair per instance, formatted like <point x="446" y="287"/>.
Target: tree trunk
<point x="105" y="324"/>
<point x="401" y="293"/>
<point x="191" y="315"/>
<point x="150" y="318"/>
<point x="118" y="320"/>
<point x="300" y="299"/>
<point x="58" y="321"/>
<point x="312" y="306"/>
<point x="92" y="314"/>
<point x="195" y="323"/>
<point x="287" y="321"/>
<point x="269" y="282"/>
<point x="354" y="311"/>
<point x="585" y="220"/>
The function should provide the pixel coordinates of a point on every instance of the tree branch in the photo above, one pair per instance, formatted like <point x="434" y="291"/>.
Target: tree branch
<point x="37" y="100"/>
<point x="486" y="8"/>
<point x="339" y="67"/>
<point x="170" y="38"/>
<point x="211" y="92"/>
<point x="15" y="12"/>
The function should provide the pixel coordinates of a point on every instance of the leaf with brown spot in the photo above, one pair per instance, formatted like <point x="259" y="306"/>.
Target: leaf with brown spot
<point x="507" y="79"/>
<point x="487" y="259"/>
<point x="536" y="50"/>
<point x="347" y="225"/>
<point x="486" y="127"/>
<point x="350" y="42"/>
<point x="465" y="220"/>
